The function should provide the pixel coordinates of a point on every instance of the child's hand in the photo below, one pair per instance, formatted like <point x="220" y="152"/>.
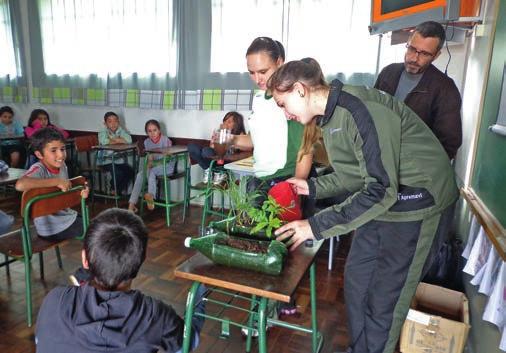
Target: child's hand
<point x="86" y="191"/>
<point x="64" y="184"/>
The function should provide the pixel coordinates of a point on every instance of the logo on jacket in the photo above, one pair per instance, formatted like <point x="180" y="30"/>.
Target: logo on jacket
<point x="333" y="131"/>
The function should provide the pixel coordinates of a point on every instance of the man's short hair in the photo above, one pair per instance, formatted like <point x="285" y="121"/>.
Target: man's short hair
<point x="43" y="136"/>
<point x="432" y="29"/>
<point x="115" y="245"/>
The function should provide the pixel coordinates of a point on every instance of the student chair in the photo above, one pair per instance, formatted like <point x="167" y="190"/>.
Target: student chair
<point x="181" y="170"/>
<point x="84" y="151"/>
<point x="24" y="243"/>
<point x="207" y="190"/>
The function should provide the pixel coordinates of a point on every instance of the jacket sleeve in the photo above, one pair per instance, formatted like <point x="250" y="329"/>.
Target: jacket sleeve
<point x="324" y="186"/>
<point x="103" y="137"/>
<point x="125" y="136"/>
<point x="377" y="151"/>
<point x="447" y="123"/>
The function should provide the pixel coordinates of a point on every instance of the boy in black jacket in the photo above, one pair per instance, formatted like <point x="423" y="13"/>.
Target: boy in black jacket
<point x="105" y="314"/>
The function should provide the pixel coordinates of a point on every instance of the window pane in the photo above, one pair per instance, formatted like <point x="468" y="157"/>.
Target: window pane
<point x="335" y="33"/>
<point x="108" y="37"/>
<point x="236" y="24"/>
<point x="7" y="58"/>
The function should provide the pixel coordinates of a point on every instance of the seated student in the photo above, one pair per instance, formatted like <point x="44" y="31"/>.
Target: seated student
<point x="106" y="314"/>
<point x="49" y="147"/>
<point x="12" y="150"/>
<point x="39" y="119"/>
<point x="155" y="140"/>
<point x="111" y="135"/>
<point x="232" y="121"/>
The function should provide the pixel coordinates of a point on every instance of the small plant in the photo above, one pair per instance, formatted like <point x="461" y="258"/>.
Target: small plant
<point x="266" y="217"/>
<point x="247" y="215"/>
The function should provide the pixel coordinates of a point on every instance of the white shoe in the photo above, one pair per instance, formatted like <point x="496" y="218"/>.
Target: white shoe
<point x="219" y="178"/>
<point x="205" y="179"/>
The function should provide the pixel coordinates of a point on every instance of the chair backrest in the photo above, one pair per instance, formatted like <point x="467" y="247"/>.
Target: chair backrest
<point x="86" y="142"/>
<point x="52" y="204"/>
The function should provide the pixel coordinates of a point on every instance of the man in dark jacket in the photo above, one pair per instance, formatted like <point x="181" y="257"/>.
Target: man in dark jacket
<point x="105" y="314"/>
<point x="431" y="94"/>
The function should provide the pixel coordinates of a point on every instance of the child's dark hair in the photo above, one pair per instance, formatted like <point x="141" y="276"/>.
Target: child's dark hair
<point x="6" y="109"/>
<point x="152" y="122"/>
<point x="238" y="119"/>
<point x="43" y="136"/>
<point x="108" y="114"/>
<point x="115" y="246"/>
<point x="35" y="114"/>
<point x="272" y="47"/>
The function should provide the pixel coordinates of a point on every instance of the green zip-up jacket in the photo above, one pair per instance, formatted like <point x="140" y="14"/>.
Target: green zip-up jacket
<point x="382" y="154"/>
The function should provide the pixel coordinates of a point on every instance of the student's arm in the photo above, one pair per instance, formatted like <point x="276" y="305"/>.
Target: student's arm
<point x="26" y="183"/>
<point x="103" y="138"/>
<point x="125" y="136"/>
<point x="18" y="129"/>
<point x="303" y="167"/>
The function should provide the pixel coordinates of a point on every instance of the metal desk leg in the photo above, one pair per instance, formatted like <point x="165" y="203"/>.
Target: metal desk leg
<point x="262" y="326"/>
<point x="314" y="323"/>
<point x="190" y="303"/>
<point x="250" y="323"/>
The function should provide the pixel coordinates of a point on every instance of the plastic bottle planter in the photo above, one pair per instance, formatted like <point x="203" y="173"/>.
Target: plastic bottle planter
<point x="261" y="256"/>
<point x="230" y="226"/>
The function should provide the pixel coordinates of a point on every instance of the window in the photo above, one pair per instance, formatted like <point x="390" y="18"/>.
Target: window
<point x="82" y="37"/>
<point x="8" y="65"/>
<point x="333" y="32"/>
<point x="234" y="26"/>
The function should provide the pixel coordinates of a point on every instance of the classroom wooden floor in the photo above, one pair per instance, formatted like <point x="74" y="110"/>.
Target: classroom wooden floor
<point x="165" y="251"/>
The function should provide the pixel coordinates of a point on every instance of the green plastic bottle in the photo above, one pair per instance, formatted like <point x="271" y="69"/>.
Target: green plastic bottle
<point x="211" y="246"/>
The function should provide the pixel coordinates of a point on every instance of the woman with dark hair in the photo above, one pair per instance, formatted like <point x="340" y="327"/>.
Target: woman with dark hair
<point x="232" y="121"/>
<point x="401" y="190"/>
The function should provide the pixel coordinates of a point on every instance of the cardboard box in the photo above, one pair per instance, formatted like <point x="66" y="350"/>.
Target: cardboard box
<point x="438" y="321"/>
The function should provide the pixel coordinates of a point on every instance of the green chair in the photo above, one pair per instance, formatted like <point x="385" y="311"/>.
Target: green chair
<point x="182" y="170"/>
<point x="207" y="191"/>
<point x="24" y="243"/>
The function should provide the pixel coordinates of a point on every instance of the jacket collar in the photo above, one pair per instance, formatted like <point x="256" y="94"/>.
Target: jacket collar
<point x="335" y="90"/>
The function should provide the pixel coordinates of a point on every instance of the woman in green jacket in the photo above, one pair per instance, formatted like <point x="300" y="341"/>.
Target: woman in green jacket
<point x="401" y="188"/>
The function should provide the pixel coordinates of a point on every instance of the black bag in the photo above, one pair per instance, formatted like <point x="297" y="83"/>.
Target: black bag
<point x="446" y="269"/>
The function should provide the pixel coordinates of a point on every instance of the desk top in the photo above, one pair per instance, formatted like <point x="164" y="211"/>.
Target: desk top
<point x="12" y="175"/>
<point x="169" y="150"/>
<point x="243" y="166"/>
<point x="117" y="147"/>
<point x="10" y="137"/>
<point x="234" y="157"/>
<point x="201" y="269"/>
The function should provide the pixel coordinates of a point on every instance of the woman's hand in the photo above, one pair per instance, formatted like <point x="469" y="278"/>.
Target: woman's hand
<point x="300" y="186"/>
<point x="299" y="231"/>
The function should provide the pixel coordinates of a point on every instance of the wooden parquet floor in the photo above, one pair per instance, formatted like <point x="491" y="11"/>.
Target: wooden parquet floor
<point x="156" y="278"/>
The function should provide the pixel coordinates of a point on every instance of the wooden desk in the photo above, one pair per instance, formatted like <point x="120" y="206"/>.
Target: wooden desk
<point x="12" y="175"/>
<point x="199" y="269"/>
<point x="168" y="151"/>
<point x="243" y="167"/>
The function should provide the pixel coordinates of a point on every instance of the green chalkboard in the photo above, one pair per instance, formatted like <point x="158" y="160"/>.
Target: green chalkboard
<point x="489" y="178"/>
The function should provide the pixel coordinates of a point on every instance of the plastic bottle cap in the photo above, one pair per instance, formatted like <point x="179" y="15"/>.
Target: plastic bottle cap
<point x="187" y="242"/>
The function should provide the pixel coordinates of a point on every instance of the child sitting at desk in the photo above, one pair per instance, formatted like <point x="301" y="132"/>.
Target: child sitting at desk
<point x="12" y="150"/>
<point x="114" y="134"/>
<point x="39" y="119"/>
<point x="232" y="121"/>
<point x="49" y="147"/>
<point x="155" y="140"/>
<point x="105" y="314"/>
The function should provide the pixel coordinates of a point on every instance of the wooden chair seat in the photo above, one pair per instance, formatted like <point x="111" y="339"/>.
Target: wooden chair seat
<point x="11" y="244"/>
